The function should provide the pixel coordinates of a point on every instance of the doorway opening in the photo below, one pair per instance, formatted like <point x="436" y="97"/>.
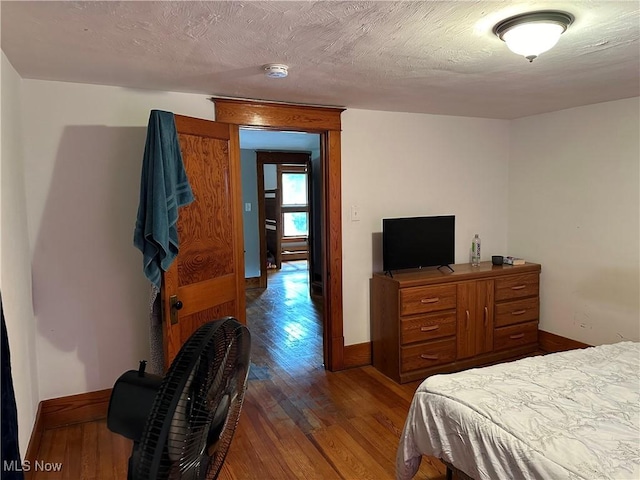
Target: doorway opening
<point x="324" y="121"/>
<point x="289" y="211"/>
<point x="283" y="310"/>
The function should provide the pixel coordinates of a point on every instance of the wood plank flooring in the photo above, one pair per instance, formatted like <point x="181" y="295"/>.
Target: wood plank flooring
<point x="298" y="420"/>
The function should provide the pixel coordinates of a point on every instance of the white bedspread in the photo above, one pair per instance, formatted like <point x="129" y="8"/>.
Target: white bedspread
<point x="570" y="415"/>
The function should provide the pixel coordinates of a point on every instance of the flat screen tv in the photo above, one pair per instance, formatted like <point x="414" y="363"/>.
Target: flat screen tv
<point x="416" y="242"/>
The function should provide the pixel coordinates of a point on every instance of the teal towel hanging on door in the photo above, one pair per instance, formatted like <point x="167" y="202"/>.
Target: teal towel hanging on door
<point x="164" y="187"/>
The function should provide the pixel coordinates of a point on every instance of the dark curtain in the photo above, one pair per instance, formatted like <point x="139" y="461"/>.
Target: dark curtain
<point x="11" y="465"/>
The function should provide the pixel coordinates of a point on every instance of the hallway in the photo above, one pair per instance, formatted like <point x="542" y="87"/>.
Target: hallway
<point x="285" y="323"/>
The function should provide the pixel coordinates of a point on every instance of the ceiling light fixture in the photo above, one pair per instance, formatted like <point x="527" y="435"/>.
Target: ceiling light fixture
<point x="276" y="70"/>
<point x="531" y="34"/>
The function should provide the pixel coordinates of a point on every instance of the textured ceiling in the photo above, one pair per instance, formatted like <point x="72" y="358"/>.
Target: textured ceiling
<point x="429" y="56"/>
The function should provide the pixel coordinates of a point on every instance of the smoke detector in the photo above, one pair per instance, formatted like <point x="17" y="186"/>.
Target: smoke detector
<point x="276" y="70"/>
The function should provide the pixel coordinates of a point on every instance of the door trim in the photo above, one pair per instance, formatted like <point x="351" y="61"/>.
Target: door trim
<point x="325" y="121"/>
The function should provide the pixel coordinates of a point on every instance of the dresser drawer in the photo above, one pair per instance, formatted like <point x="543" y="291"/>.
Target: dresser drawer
<point x="427" y="299"/>
<point x="428" y="354"/>
<point x="427" y="327"/>
<point x="517" y="286"/>
<point x="518" y="311"/>
<point x="515" y="335"/>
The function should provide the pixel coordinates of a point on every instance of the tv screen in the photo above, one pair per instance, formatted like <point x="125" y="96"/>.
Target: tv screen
<point x="418" y="242"/>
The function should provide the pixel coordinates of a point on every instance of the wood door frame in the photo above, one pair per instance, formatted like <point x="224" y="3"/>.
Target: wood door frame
<point x="326" y="122"/>
<point x="273" y="157"/>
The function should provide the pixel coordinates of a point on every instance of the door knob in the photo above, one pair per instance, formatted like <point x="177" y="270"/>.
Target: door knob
<point x="175" y="305"/>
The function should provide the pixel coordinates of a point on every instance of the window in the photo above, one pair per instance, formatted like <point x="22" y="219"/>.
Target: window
<point x="295" y="224"/>
<point x="295" y="194"/>
<point x="294" y="189"/>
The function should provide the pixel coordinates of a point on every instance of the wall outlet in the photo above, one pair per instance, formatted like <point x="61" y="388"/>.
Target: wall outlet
<point x="247" y="207"/>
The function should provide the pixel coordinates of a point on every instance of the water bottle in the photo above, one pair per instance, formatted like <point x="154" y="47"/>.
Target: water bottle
<point x="475" y="251"/>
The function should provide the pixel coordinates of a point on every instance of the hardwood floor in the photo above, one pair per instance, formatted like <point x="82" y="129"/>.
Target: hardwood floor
<point x="298" y="420"/>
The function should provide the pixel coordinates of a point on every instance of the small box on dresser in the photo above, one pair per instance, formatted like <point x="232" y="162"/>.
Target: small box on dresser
<point x="435" y="321"/>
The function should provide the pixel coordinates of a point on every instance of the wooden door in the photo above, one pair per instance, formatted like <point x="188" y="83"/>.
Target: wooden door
<point x="206" y="281"/>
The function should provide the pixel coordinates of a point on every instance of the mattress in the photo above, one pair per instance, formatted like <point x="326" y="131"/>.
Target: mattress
<point x="570" y="415"/>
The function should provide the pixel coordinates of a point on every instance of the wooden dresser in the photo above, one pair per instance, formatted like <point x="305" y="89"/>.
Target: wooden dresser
<point x="434" y="321"/>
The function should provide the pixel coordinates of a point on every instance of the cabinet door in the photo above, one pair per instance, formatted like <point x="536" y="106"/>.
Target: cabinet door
<point x="475" y="318"/>
<point x="485" y="316"/>
<point x="465" y="308"/>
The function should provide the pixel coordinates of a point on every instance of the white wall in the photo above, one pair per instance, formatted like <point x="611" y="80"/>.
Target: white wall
<point x="83" y="149"/>
<point x="574" y="207"/>
<point x="83" y="156"/>
<point x="401" y="164"/>
<point x="15" y="270"/>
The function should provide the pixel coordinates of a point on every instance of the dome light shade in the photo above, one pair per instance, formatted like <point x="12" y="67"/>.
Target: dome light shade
<point x="531" y="34"/>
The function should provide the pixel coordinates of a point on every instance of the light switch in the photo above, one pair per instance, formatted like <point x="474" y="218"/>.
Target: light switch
<point x="247" y="207"/>
<point x="355" y="213"/>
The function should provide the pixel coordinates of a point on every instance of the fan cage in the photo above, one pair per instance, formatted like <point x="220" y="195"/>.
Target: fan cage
<point x="210" y="370"/>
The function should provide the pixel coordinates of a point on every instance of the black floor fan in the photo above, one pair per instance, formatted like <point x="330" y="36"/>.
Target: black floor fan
<point x="182" y="425"/>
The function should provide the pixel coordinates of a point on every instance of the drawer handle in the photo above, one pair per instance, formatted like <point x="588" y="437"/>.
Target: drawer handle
<point x="430" y="300"/>
<point x="430" y="328"/>
<point x="518" y="287"/>
<point x="486" y="315"/>
<point x="516" y="336"/>
<point x="467" y="313"/>
<point x="429" y="357"/>
<point x="518" y="312"/>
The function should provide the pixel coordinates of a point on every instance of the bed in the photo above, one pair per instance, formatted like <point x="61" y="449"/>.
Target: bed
<point x="570" y="415"/>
